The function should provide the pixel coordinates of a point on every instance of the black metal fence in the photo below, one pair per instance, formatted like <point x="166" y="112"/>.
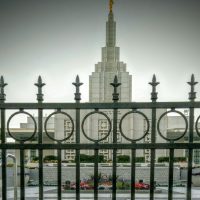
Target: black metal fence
<point x="134" y="144"/>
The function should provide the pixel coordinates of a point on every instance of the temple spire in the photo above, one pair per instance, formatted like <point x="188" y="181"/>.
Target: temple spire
<point x="111" y="28"/>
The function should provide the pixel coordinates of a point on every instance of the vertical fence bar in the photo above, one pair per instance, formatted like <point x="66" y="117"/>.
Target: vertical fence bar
<point x="152" y="168"/>
<point x="22" y="175"/>
<point x="96" y="180"/>
<point x="59" y="175"/>
<point x="40" y="99"/>
<point x="40" y="152"/>
<point x="77" y="98"/>
<point x="192" y="97"/>
<point x="190" y="156"/>
<point x="114" y="173"/>
<point x="154" y="97"/>
<point x="77" y="154"/>
<point x="171" y="174"/>
<point x="133" y="155"/>
<point x="3" y="140"/>
<point x="3" y="157"/>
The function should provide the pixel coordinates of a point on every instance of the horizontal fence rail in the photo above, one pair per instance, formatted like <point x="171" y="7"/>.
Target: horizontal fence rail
<point x="115" y="123"/>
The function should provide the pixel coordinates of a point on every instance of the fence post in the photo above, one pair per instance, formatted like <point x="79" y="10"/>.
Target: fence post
<point x="192" y="97"/>
<point x="3" y="139"/>
<point x="40" y="99"/>
<point x="77" y="98"/>
<point x="154" y="97"/>
<point x="115" y="85"/>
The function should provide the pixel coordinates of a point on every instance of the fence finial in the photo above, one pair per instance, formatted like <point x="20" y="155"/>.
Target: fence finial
<point x="77" y="84"/>
<point x="2" y="85"/>
<point x="115" y="84"/>
<point x="192" y="93"/>
<point x="40" y="84"/>
<point x="154" y="94"/>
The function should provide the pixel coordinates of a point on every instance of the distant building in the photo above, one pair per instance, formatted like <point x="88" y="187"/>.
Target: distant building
<point x="176" y="129"/>
<point x="25" y="131"/>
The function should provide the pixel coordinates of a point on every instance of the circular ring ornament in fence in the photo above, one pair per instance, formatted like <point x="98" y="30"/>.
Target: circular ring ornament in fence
<point x="196" y="126"/>
<point x="134" y="112"/>
<point x="109" y="126"/>
<point x="184" y="132"/>
<point x="70" y="119"/>
<point x="11" y="134"/>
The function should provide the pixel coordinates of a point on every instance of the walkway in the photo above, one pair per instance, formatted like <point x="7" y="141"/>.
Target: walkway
<point x="50" y="194"/>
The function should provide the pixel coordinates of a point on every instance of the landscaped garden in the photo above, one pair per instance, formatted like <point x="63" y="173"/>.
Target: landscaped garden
<point x="105" y="183"/>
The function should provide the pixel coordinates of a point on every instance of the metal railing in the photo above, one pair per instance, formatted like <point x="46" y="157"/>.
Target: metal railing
<point x="96" y="145"/>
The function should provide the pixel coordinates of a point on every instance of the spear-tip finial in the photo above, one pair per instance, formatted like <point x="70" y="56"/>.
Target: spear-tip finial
<point x="77" y="84"/>
<point x="40" y="84"/>
<point x="154" y="83"/>
<point x="192" y="83"/>
<point x="115" y="84"/>
<point x="2" y="85"/>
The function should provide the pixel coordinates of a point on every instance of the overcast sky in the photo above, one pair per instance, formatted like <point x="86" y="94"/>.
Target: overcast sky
<point x="59" y="39"/>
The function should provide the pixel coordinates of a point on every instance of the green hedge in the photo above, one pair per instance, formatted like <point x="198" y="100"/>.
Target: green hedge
<point x="139" y="160"/>
<point x="36" y="158"/>
<point x="123" y="159"/>
<point x="176" y="159"/>
<point x="90" y="159"/>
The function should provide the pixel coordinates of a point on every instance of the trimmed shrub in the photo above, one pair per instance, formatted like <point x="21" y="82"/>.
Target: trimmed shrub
<point x="139" y="160"/>
<point x="176" y="159"/>
<point x="90" y="159"/>
<point x="123" y="159"/>
<point x="36" y="158"/>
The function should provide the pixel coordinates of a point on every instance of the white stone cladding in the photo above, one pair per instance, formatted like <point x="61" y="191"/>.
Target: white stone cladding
<point x="101" y="90"/>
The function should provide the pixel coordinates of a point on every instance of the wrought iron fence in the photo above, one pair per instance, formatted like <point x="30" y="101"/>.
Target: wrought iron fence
<point x="96" y="145"/>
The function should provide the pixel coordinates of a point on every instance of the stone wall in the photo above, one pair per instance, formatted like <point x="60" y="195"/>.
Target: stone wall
<point x="68" y="173"/>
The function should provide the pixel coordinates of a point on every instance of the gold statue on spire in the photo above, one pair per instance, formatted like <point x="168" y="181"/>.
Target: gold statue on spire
<point x="111" y="5"/>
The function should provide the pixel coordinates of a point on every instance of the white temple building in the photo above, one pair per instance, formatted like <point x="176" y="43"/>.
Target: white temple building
<point x="100" y="91"/>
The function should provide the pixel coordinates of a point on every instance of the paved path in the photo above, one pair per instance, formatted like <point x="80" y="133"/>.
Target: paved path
<point x="50" y="194"/>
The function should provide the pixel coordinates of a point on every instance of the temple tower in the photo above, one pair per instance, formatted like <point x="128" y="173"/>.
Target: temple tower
<point x="110" y="65"/>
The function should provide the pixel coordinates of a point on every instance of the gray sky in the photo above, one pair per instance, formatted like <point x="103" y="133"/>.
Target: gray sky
<point x="60" y="39"/>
